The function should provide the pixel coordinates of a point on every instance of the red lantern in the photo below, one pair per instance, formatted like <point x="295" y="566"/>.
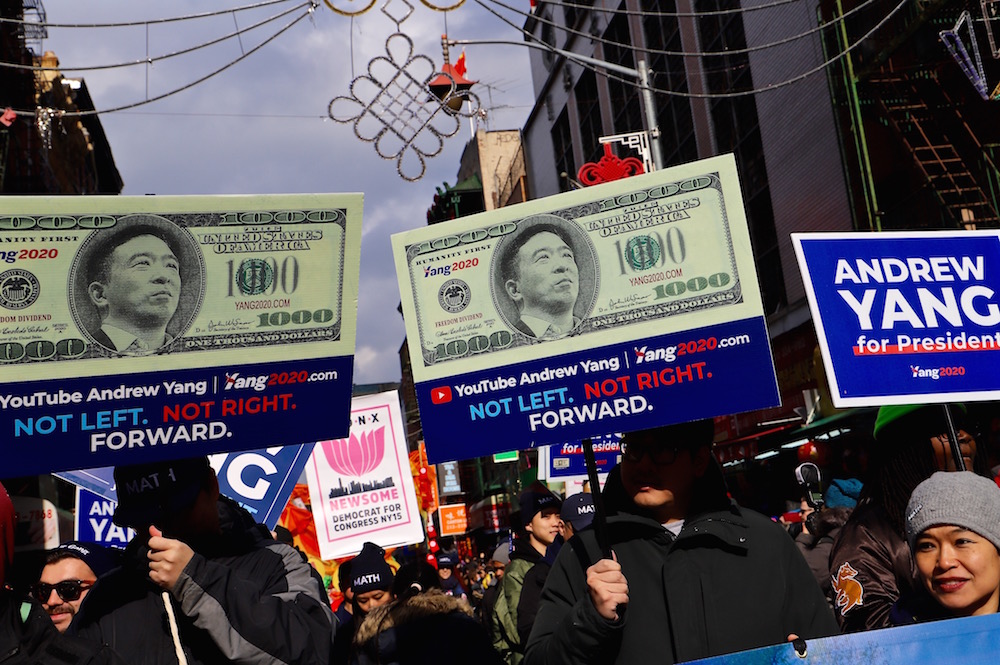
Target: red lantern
<point x="817" y="453"/>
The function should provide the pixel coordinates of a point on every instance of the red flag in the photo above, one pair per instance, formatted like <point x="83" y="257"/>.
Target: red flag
<point x="9" y="116"/>
<point x="460" y="64"/>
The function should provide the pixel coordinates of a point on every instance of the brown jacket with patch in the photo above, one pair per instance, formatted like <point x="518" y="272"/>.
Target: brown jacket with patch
<point x="871" y="567"/>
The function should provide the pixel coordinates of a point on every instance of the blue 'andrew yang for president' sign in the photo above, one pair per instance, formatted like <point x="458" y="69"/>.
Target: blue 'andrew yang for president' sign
<point x="905" y="317"/>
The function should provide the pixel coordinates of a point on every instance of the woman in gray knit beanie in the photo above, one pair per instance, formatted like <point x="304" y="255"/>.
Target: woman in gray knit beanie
<point x="953" y="527"/>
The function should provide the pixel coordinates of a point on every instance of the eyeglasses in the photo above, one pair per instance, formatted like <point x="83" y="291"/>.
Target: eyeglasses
<point x="68" y="590"/>
<point x="659" y="454"/>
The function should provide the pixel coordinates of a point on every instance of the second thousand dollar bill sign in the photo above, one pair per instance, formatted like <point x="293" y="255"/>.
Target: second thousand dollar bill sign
<point x="537" y="323"/>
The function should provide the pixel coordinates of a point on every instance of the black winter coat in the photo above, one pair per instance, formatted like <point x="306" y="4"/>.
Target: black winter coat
<point x="732" y="580"/>
<point x="243" y="598"/>
<point x="28" y="637"/>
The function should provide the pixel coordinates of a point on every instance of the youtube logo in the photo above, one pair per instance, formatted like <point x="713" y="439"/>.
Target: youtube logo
<point x="441" y="395"/>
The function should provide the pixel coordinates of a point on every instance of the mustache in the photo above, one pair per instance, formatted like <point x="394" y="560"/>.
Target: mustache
<point x="61" y="609"/>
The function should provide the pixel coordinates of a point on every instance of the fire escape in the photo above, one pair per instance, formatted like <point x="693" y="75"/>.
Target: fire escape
<point x="955" y="165"/>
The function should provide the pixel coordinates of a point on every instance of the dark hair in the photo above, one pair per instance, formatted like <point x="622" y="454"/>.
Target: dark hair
<point x="344" y="575"/>
<point x="99" y="265"/>
<point x="903" y="458"/>
<point x="415" y="572"/>
<point x="690" y="435"/>
<point x="509" y="265"/>
<point x="58" y="554"/>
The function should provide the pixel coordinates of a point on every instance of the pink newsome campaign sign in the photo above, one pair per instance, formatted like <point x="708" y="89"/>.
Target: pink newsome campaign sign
<point x="360" y="487"/>
<point x="356" y="455"/>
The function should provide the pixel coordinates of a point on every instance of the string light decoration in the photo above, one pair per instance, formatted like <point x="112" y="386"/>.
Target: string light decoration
<point x="391" y="105"/>
<point x="350" y="12"/>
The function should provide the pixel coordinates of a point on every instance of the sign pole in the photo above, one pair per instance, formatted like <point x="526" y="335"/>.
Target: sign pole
<point x="600" y="525"/>
<point x="956" y="450"/>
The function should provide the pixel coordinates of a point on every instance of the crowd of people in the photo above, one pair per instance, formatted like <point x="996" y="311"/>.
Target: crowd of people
<point x="672" y="567"/>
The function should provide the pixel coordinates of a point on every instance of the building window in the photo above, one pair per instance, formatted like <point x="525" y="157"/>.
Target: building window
<point x="589" y="109"/>
<point x="625" y="102"/>
<point x="562" y="148"/>
<point x="548" y="36"/>
<point x="737" y="130"/>
<point x="673" y="112"/>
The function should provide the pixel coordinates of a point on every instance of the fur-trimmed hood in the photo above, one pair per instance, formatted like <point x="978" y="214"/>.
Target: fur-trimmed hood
<point x="426" y="627"/>
<point x="406" y="610"/>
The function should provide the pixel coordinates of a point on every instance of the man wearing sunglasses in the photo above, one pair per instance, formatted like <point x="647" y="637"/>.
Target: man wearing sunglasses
<point x="691" y="575"/>
<point x="70" y="570"/>
<point x="26" y="634"/>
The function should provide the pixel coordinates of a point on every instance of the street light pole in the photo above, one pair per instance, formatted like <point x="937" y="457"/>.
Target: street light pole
<point x="641" y="75"/>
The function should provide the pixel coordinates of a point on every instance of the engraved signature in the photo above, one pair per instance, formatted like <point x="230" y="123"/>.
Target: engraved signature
<point x="457" y="330"/>
<point x="628" y="301"/>
<point x="229" y="325"/>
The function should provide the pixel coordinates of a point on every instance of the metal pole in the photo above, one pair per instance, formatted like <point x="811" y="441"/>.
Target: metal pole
<point x="956" y="450"/>
<point x="600" y="523"/>
<point x="650" y="108"/>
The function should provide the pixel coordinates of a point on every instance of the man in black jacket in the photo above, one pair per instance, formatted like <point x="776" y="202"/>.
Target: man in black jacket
<point x="692" y="575"/>
<point x="202" y="580"/>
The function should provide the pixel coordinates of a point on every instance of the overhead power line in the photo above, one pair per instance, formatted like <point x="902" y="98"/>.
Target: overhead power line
<point x="729" y="52"/>
<point x="132" y="24"/>
<point x="73" y="114"/>
<point x="641" y="12"/>
<point x="154" y="59"/>
<point x="709" y="95"/>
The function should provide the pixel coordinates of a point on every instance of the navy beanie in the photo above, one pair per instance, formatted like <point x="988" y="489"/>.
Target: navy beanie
<point x="370" y="571"/>
<point x="98" y="558"/>
<point x="536" y="499"/>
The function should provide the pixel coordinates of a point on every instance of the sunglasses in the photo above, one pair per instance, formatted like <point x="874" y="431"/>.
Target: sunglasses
<point x="68" y="590"/>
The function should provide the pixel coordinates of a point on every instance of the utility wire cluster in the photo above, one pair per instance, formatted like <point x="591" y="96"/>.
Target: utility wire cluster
<point x="848" y="48"/>
<point x="297" y="12"/>
<point x="494" y="7"/>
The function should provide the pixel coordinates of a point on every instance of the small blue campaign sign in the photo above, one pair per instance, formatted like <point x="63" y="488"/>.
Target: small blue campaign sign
<point x="259" y="480"/>
<point x="967" y="641"/>
<point x="567" y="461"/>
<point x="93" y="520"/>
<point x="905" y="317"/>
<point x="262" y="480"/>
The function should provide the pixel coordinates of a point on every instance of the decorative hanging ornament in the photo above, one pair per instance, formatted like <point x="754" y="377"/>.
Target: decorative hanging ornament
<point x="392" y="107"/>
<point x="608" y="168"/>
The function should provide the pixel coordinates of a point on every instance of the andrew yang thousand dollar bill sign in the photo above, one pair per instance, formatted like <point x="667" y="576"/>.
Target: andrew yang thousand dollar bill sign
<point x="96" y="287"/>
<point x="553" y="297"/>
<point x="136" y="328"/>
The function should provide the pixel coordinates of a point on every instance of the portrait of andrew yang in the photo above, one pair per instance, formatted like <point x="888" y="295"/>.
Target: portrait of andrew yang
<point x="137" y="286"/>
<point x="544" y="277"/>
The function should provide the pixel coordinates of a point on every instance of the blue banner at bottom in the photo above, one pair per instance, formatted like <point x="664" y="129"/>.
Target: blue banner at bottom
<point x="969" y="641"/>
<point x="699" y="373"/>
<point x="72" y="424"/>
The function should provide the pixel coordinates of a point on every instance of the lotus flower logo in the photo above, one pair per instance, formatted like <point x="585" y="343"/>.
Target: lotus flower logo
<point x="357" y="455"/>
